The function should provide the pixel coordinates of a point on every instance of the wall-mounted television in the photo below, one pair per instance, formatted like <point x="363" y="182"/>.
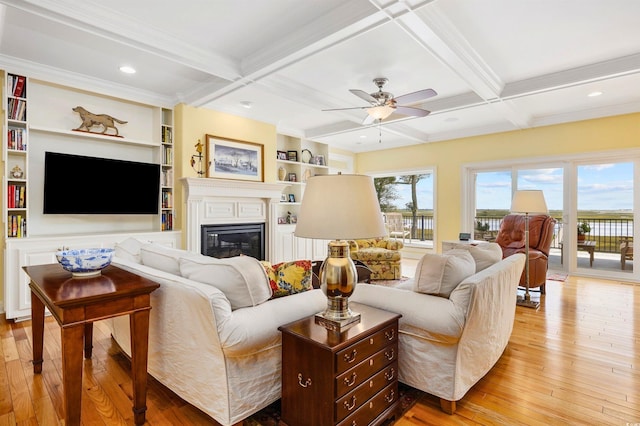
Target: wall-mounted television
<point x="76" y="184"/>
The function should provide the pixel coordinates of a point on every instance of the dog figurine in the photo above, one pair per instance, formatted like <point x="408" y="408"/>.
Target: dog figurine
<point x="89" y="120"/>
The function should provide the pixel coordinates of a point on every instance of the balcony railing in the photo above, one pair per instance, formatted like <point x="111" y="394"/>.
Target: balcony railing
<point x="606" y="232"/>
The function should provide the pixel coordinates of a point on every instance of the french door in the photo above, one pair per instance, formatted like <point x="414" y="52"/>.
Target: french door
<point x="597" y="193"/>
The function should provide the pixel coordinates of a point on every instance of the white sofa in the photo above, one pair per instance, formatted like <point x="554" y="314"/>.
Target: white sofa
<point x="224" y="361"/>
<point x="227" y="360"/>
<point x="448" y="343"/>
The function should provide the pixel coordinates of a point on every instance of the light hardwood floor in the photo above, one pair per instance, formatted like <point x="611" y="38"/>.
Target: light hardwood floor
<point x="575" y="361"/>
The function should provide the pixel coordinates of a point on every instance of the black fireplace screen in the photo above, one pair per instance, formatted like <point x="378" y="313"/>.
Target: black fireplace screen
<point x="233" y="240"/>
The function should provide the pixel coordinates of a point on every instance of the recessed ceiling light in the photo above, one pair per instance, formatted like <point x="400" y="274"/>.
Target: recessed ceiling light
<point x="594" y="94"/>
<point x="363" y="136"/>
<point x="128" y="69"/>
<point x="451" y="119"/>
<point x="246" y="104"/>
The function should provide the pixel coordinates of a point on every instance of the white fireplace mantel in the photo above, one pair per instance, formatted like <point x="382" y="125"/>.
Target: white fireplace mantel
<point x="221" y="201"/>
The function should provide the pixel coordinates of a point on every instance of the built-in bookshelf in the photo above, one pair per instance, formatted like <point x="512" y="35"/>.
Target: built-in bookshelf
<point x="16" y="137"/>
<point x="167" y="215"/>
<point x="297" y="160"/>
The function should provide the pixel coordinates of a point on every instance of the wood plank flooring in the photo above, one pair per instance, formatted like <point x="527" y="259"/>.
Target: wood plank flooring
<point x="574" y="361"/>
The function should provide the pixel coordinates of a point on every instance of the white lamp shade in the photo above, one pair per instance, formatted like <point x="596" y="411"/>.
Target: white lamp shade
<point x="340" y="207"/>
<point x="529" y="201"/>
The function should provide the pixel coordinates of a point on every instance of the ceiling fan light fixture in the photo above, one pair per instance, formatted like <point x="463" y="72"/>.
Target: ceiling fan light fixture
<point x="380" y="112"/>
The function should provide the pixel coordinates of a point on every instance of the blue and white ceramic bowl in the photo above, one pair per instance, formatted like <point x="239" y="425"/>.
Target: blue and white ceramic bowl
<point x="85" y="262"/>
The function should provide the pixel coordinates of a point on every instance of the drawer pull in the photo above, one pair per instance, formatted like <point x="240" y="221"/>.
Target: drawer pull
<point x="390" y="397"/>
<point x="390" y="375"/>
<point x="353" y="404"/>
<point x="350" y="358"/>
<point x="304" y="384"/>
<point x="390" y="334"/>
<point x="352" y="381"/>
<point x="390" y="354"/>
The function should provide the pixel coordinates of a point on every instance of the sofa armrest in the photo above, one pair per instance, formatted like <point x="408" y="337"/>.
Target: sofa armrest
<point x="393" y="244"/>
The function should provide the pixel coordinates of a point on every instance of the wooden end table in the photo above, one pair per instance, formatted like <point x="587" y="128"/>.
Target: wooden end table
<point x="76" y="303"/>
<point x="342" y="379"/>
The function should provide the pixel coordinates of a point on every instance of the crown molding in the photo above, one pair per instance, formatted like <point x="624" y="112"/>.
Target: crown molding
<point x="79" y="81"/>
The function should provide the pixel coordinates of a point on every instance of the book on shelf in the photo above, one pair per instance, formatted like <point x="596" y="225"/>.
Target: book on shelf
<point x="167" y="136"/>
<point x="15" y="139"/>
<point x="16" y="85"/>
<point x="16" y="226"/>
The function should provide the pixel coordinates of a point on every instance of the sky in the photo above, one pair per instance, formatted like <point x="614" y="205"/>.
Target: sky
<point x="600" y="187"/>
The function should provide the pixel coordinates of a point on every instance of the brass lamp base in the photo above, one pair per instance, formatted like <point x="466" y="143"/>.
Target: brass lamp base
<point x="527" y="302"/>
<point x="338" y="278"/>
<point x="335" y="324"/>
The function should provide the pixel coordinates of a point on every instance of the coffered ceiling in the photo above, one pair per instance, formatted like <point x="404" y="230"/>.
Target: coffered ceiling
<point x="497" y="65"/>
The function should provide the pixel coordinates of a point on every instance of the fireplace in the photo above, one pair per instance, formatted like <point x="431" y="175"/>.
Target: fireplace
<point x="233" y="240"/>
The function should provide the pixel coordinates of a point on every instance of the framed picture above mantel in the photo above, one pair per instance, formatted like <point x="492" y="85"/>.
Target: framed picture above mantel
<point x="234" y="159"/>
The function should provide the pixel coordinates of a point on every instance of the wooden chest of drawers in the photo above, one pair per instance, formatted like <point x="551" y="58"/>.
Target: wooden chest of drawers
<point x="347" y="378"/>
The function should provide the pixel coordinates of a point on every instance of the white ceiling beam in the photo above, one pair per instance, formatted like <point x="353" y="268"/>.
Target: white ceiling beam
<point x="121" y="28"/>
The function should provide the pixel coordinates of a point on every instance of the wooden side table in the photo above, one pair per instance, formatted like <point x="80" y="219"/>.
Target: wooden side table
<point x="76" y="303"/>
<point x="347" y="378"/>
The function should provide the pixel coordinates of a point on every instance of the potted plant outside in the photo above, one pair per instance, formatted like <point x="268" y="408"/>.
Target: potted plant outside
<point x="583" y="229"/>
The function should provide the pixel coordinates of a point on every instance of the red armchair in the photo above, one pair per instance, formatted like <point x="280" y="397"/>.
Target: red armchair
<point x="511" y="238"/>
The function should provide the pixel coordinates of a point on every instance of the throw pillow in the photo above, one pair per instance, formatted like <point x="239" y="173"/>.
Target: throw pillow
<point x="242" y="279"/>
<point x="485" y="254"/>
<point x="164" y="258"/>
<point x="129" y="249"/>
<point x="289" y="277"/>
<point x="440" y="274"/>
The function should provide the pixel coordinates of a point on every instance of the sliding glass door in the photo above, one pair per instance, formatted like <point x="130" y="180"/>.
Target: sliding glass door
<point x="592" y="200"/>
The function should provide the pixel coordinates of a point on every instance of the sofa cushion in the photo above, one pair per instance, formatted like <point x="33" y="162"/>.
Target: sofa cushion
<point x="129" y="249"/>
<point x="160" y="257"/>
<point x="440" y="274"/>
<point x="242" y="278"/>
<point x="288" y="278"/>
<point x="484" y="254"/>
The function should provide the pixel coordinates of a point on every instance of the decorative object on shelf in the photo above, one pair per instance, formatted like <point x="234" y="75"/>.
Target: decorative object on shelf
<point x="527" y="202"/>
<point x="282" y="155"/>
<point x="196" y="160"/>
<point x="288" y="218"/>
<point x="306" y="156"/>
<point x="90" y="119"/>
<point x="292" y="155"/>
<point x="17" y="172"/>
<point x="339" y="207"/>
<point x="282" y="220"/>
<point x="292" y="198"/>
<point x="282" y="173"/>
<point x="306" y="175"/>
<point x="293" y="219"/>
<point x="283" y="197"/>
<point x="318" y="160"/>
<point x="85" y="262"/>
<point x="233" y="159"/>
<point x="293" y="177"/>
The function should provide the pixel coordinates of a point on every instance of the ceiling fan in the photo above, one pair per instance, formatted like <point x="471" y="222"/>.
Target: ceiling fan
<point x="383" y="104"/>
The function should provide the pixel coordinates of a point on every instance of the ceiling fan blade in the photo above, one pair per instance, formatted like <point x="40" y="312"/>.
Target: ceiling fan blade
<point x="369" y="119"/>
<point x="416" y="112"/>
<point x="344" y="109"/>
<point x="364" y="95"/>
<point x="412" y="98"/>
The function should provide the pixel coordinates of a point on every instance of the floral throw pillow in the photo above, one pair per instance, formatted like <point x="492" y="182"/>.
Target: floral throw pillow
<point x="289" y="277"/>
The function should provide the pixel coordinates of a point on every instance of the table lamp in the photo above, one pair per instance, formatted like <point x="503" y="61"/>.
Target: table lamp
<point x="339" y="208"/>
<point x="527" y="202"/>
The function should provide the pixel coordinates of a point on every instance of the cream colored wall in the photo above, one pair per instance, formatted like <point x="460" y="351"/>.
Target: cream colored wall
<point x="192" y="124"/>
<point x="448" y="157"/>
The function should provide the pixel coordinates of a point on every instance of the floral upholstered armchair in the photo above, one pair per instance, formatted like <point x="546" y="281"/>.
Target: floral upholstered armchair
<point x="381" y="255"/>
